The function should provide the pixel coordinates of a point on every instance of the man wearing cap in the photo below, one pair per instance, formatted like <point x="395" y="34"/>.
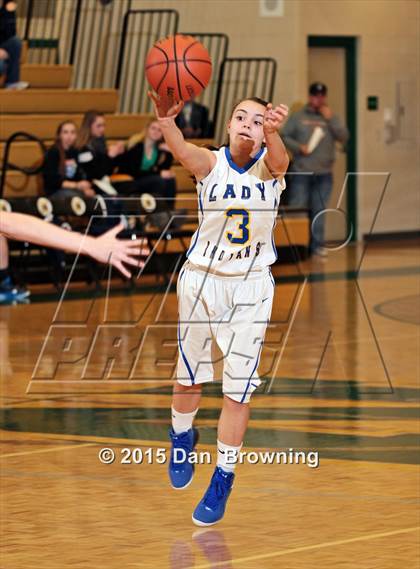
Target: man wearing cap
<point x="310" y="134"/>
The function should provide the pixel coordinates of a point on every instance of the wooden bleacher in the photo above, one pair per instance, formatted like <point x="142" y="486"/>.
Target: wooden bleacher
<point x="44" y="126"/>
<point x="43" y="77"/>
<point x="46" y="101"/>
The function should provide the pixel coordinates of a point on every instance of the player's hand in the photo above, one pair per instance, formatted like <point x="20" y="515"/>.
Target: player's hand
<point x="108" y="249"/>
<point x="164" y="108"/>
<point x="11" y="6"/>
<point x="303" y="149"/>
<point x="274" y="117"/>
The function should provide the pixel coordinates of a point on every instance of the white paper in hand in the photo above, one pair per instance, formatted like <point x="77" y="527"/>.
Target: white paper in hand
<point x="316" y="137"/>
<point x="105" y="186"/>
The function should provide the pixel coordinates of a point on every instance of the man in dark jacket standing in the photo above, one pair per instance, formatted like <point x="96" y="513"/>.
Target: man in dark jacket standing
<point x="311" y="134"/>
<point x="193" y="120"/>
<point x="10" y="47"/>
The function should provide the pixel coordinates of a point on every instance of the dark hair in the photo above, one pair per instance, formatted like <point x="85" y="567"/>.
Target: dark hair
<point x="253" y="99"/>
<point x="84" y="132"/>
<point x="61" y="151"/>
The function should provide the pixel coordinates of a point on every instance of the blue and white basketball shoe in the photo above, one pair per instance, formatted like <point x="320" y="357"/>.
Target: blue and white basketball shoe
<point x="11" y="294"/>
<point x="181" y="471"/>
<point x="212" y="507"/>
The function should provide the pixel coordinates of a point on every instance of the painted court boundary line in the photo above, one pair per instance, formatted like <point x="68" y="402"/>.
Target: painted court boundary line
<point x="51" y="449"/>
<point x="306" y="548"/>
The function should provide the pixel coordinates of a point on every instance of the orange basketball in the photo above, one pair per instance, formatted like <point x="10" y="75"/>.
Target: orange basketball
<point x="178" y="67"/>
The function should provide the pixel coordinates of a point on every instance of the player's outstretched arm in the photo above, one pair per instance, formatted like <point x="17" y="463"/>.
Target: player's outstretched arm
<point x="105" y="248"/>
<point x="276" y="158"/>
<point x="199" y="161"/>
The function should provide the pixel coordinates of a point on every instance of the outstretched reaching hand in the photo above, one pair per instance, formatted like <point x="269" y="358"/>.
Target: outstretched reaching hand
<point x="108" y="249"/>
<point x="165" y="108"/>
<point x="105" y="248"/>
<point x="274" y="118"/>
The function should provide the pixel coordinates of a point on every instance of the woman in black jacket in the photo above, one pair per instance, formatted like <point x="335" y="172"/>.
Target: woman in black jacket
<point x="148" y="163"/>
<point x="97" y="161"/>
<point x="94" y="157"/>
<point x="62" y="175"/>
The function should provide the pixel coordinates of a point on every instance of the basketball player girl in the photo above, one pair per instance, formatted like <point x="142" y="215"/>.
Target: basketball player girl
<point x="225" y="288"/>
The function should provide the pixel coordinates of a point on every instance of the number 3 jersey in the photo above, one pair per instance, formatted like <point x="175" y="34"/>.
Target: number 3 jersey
<point x="237" y="214"/>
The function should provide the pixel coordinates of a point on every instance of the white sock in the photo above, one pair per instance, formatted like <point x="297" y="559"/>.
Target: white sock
<point x="182" y="422"/>
<point x="227" y="456"/>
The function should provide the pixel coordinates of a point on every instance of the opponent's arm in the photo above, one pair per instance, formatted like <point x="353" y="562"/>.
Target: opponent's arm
<point x="276" y="159"/>
<point x="106" y="248"/>
<point x="199" y="161"/>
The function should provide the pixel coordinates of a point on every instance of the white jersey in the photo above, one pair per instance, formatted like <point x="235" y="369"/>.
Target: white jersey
<point x="237" y="214"/>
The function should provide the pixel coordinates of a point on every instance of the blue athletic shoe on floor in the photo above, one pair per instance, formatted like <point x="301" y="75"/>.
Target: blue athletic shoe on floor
<point x="181" y="472"/>
<point x="10" y="294"/>
<point x="212" y="507"/>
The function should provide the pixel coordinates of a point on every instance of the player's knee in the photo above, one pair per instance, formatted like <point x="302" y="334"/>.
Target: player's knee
<point x="182" y="385"/>
<point x="240" y="391"/>
<point x="234" y="399"/>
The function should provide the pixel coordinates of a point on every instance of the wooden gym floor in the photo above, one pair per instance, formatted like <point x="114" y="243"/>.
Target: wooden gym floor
<point x="341" y="377"/>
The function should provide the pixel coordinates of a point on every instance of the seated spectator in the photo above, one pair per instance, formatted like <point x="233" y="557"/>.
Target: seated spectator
<point x="193" y="120"/>
<point x="10" y="47"/>
<point x="63" y="178"/>
<point x="148" y="164"/>
<point x="97" y="161"/>
<point x="94" y="158"/>
<point x="62" y="175"/>
<point x="9" y="292"/>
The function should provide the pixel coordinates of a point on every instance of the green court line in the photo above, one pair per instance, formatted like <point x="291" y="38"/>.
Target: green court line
<point x="328" y="392"/>
<point x="265" y="414"/>
<point x="302" y="387"/>
<point x="120" y="423"/>
<point x="287" y="279"/>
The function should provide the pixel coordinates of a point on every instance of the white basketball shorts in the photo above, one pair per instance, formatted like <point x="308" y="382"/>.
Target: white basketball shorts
<point x="233" y="311"/>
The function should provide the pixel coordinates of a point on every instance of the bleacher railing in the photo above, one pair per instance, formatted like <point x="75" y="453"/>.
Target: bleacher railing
<point x="239" y="78"/>
<point x="6" y="165"/>
<point x="141" y="29"/>
<point x="98" y="37"/>
<point x="82" y="33"/>
<point x="49" y="28"/>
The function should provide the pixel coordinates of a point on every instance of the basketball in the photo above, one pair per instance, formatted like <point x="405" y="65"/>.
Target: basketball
<point x="178" y="67"/>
